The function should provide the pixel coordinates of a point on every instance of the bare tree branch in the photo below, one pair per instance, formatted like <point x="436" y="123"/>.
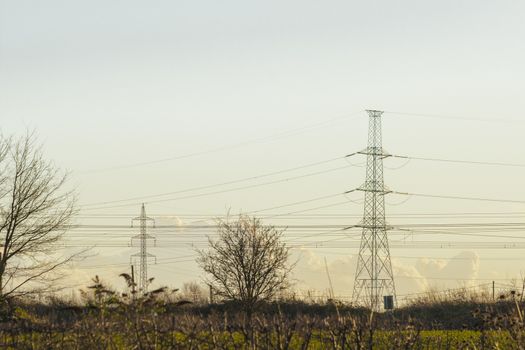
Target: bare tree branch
<point x="35" y="212"/>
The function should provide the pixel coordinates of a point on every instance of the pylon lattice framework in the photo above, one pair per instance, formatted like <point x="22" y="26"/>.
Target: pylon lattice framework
<point x="374" y="277"/>
<point x="143" y="255"/>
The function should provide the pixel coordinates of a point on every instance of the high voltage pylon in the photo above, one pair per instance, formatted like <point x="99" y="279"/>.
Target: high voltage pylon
<point x="374" y="278"/>
<point x="143" y="236"/>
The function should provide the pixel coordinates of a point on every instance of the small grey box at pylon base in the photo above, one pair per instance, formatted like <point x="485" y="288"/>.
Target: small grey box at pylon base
<point x="388" y="302"/>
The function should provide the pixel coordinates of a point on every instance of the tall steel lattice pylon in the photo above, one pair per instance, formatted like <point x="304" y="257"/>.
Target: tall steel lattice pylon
<point x="143" y="236"/>
<point x="374" y="278"/>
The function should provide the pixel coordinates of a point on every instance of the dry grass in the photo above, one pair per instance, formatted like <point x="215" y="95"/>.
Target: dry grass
<point x="107" y="320"/>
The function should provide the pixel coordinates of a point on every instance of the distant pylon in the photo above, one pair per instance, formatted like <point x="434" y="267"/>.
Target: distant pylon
<point x="143" y="236"/>
<point x="374" y="278"/>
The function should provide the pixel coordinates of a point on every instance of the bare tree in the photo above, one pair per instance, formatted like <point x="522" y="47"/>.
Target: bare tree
<point x="35" y="212"/>
<point x="193" y="292"/>
<point x="247" y="263"/>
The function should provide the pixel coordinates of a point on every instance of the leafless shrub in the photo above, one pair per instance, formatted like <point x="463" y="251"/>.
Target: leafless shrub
<point x="247" y="263"/>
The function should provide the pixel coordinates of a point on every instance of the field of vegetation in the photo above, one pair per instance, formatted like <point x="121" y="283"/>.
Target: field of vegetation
<point x="163" y="320"/>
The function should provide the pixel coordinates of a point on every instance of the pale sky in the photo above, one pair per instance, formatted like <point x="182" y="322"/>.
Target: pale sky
<point x="249" y="88"/>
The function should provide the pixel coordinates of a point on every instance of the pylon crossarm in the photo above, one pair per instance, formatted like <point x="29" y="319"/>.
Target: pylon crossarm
<point x="382" y="192"/>
<point x="381" y="154"/>
<point x="374" y="227"/>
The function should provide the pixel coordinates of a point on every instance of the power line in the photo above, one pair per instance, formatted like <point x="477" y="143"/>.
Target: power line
<point x="467" y="234"/>
<point x="279" y="135"/>
<point x="304" y="210"/>
<point x="438" y="116"/>
<point x="499" y="225"/>
<point x="250" y="178"/>
<point x="461" y="161"/>
<point x="225" y="191"/>
<point x="435" y="257"/>
<point x="159" y="262"/>
<point x="318" y="215"/>
<point x="459" y="197"/>
<point x="466" y="224"/>
<point x="335" y="243"/>
<point x="296" y="203"/>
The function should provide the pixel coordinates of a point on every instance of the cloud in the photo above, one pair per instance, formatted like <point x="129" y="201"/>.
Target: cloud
<point x="169" y="221"/>
<point x="408" y="279"/>
<point x="461" y="269"/>
<point x="310" y="273"/>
